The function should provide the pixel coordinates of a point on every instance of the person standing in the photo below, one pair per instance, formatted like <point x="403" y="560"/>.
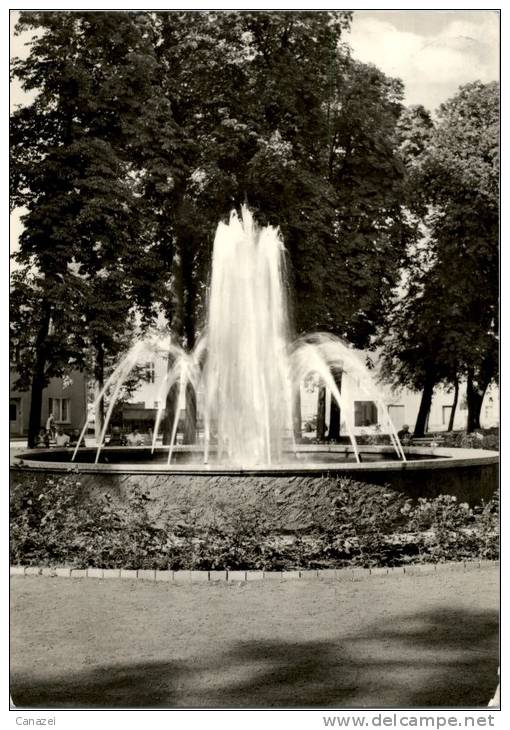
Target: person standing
<point x="50" y="427"/>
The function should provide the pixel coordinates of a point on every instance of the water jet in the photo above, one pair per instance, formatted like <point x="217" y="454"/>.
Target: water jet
<point x="244" y="373"/>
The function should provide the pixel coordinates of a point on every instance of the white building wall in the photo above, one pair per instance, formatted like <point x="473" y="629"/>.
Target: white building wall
<point x="148" y="393"/>
<point x="403" y="404"/>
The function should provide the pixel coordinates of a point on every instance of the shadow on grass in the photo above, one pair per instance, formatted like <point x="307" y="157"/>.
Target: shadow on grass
<point x="431" y="659"/>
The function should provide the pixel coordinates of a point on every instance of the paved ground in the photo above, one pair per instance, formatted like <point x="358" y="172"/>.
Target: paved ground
<point x="408" y="641"/>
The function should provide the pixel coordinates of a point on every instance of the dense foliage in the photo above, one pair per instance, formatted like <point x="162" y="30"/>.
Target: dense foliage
<point x="78" y="151"/>
<point x="445" y="326"/>
<point x="147" y="128"/>
<point x="480" y="439"/>
<point x="60" y="524"/>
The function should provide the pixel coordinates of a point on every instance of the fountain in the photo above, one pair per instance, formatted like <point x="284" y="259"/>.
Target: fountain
<point x="244" y="373"/>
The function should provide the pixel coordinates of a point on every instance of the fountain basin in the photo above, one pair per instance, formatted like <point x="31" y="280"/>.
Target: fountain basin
<point x="290" y="491"/>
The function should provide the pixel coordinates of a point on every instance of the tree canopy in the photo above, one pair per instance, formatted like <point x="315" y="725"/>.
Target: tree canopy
<point x="77" y="153"/>
<point x="149" y="127"/>
<point x="446" y="326"/>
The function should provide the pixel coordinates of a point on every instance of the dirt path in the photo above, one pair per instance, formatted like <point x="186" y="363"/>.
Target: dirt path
<point x="407" y="641"/>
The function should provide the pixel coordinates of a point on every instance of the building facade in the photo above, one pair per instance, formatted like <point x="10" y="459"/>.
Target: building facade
<point x="65" y="397"/>
<point x="403" y="405"/>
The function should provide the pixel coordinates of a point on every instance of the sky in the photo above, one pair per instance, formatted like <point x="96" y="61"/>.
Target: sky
<point x="432" y="51"/>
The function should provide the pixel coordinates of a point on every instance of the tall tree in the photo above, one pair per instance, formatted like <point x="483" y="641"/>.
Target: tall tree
<point x="415" y="339"/>
<point x="307" y="136"/>
<point x="241" y="83"/>
<point x="445" y="325"/>
<point x="160" y="123"/>
<point x="463" y="176"/>
<point x="96" y="128"/>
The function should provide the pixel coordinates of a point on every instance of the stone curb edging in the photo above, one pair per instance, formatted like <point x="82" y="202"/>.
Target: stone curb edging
<point x="245" y="576"/>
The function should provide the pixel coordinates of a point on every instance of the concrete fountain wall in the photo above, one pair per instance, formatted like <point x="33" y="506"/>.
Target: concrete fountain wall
<point x="293" y="496"/>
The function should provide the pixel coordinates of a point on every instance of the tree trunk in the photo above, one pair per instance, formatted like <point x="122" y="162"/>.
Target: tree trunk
<point x="296" y="415"/>
<point x="475" y="394"/>
<point x="334" y="410"/>
<point x="188" y="295"/>
<point x="190" y="425"/>
<point x="172" y="403"/>
<point x="38" y="379"/>
<point x="177" y="328"/>
<point x="426" y="402"/>
<point x="38" y="383"/>
<point x="98" y="387"/>
<point x="454" y="405"/>
<point x="321" y="413"/>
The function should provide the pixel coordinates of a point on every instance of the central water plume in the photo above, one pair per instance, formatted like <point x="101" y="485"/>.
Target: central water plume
<point x="243" y="372"/>
<point x="247" y="399"/>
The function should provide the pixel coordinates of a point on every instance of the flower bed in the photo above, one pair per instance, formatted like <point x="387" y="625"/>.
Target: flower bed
<point x="361" y="525"/>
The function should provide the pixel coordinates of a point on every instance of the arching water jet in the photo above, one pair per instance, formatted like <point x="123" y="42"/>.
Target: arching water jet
<point x="244" y="369"/>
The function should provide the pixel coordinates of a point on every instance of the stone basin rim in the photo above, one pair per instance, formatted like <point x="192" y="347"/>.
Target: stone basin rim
<point x="440" y="458"/>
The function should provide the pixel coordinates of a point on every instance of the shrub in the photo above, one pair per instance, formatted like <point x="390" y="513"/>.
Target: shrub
<point x="450" y="530"/>
<point x="236" y="537"/>
<point x="362" y="518"/>
<point x="373" y="439"/>
<point x="59" y="524"/>
<point x="55" y="522"/>
<point x="477" y="440"/>
<point x="487" y="525"/>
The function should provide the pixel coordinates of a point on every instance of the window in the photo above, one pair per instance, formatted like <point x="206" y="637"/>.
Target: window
<point x="61" y="409"/>
<point x="446" y="414"/>
<point x="156" y="404"/>
<point x="365" y="413"/>
<point x="150" y="372"/>
<point x="13" y="412"/>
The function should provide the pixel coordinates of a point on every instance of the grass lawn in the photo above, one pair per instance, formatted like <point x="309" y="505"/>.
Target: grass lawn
<point x="426" y="640"/>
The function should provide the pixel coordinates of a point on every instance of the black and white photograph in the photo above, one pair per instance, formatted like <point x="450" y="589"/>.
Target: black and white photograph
<point x="254" y="360"/>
